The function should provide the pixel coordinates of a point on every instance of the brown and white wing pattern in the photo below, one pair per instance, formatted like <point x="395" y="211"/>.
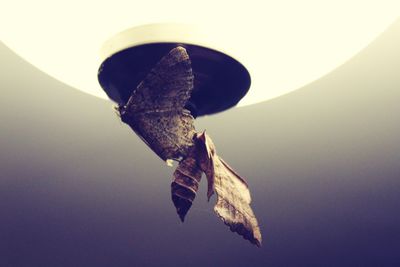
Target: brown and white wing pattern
<point x="155" y="110"/>
<point x="167" y="86"/>
<point x="233" y="195"/>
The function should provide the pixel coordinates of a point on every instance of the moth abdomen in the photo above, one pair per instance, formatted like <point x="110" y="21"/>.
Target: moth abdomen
<point x="185" y="185"/>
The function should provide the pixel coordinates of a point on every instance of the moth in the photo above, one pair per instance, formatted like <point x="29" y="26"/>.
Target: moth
<point x="156" y="113"/>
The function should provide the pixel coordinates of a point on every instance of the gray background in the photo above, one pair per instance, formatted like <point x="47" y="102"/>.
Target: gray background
<point x="78" y="188"/>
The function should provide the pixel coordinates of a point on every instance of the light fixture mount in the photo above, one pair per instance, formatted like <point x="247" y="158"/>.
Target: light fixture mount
<point x="220" y="81"/>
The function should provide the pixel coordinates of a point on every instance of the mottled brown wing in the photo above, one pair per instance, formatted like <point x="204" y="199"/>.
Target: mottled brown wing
<point x="155" y="110"/>
<point x="233" y="195"/>
<point x="167" y="86"/>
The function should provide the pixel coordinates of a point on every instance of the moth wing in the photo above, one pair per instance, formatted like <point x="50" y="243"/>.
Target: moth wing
<point x="233" y="203"/>
<point x="155" y="110"/>
<point x="169" y="135"/>
<point x="167" y="86"/>
<point x="233" y="195"/>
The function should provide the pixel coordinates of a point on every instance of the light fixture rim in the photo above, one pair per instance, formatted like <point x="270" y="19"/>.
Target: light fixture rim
<point x="166" y="32"/>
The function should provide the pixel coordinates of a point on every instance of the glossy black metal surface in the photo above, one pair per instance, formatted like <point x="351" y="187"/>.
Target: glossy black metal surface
<point x="220" y="81"/>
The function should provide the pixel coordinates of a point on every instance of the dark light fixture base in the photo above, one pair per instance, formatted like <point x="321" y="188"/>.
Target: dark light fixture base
<point x="220" y="81"/>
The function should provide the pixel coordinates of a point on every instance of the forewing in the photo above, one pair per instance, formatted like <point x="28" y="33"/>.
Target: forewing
<point x="168" y="134"/>
<point x="233" y="203"/>
<point x="167" y="86"/>
<point x="233" y="195"/>
<point x="155" y="110"/>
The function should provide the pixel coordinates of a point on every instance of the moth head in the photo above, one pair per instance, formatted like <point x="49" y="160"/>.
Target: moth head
<point x="120" y="110"/>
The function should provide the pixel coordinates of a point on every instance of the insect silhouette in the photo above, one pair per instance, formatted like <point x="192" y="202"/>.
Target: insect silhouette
<point x="156" y="112"/>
